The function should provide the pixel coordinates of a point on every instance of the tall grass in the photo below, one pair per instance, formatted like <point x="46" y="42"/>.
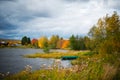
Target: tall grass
<point x="86" y="67"/>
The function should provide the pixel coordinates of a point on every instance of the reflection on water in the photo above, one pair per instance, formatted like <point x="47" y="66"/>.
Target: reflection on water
<point x="11" y="60"/>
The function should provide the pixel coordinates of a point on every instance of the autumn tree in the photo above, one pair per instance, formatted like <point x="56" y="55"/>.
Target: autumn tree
<point x="105" y="36"/>
<point x="53" y="41"/>
<point x="35" y="43"/>
<point x="87" y="42"/>
<point x="42" y="42"/>
<point x="65" y="44"/>
<point x="94" y="39"/>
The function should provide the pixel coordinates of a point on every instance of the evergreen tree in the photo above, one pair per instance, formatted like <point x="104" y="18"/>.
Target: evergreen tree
<point x="77" y="43"/>
<point x="72" y="42"/>
<point x="82" y="44"/>
<point x="28" y="41"/>
<point x="24" y="40"/>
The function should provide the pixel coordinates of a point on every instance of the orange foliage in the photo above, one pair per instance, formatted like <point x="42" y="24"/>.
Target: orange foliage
<point x="65" y="44"/>
<point x="34" y="41"/>
<point x="62" y="44"/>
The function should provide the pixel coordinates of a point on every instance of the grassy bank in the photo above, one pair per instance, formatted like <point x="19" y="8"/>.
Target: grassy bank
<point x="54" y="54"/>
<point x="86" y="67"/>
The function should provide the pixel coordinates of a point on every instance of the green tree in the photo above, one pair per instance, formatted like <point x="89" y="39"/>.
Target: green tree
<point x="24" y="40"/>
<point x="79" y="43"/>
<point x="46" y="48"/>
<point x="72" y="42"/>
<point x="28" y="41"/>
<point x="82" y="44"/>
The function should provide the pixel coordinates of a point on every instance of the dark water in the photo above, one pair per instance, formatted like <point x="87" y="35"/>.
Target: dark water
<point x="11" y="60"/>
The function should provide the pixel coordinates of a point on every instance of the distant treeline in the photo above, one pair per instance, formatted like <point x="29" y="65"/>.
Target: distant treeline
<point x="74" y="42"/>
<point x="104" y="37"/>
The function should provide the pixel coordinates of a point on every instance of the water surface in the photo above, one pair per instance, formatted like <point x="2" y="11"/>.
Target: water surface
<point x="11" y="60"/>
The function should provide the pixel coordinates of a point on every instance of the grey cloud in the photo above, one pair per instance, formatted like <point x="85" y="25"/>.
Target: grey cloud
<point x="4" y="25"/>
<point x="4" y="1"/>
<point x="7" y="0"/>
<point x="21" y="11"/>
<point x="77" y="0"/>
<point x="8" y="34"/>
<point x="47" y="17"/>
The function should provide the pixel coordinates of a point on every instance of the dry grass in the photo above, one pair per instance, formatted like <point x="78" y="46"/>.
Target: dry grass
<point x="51" y="55"/>
<point x="87" y="67"/>
<point x="109" y="72"/>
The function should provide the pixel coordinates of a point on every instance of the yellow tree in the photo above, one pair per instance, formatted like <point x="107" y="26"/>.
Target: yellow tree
<point x="53" y="41"/>
<point x="42" y="41"/>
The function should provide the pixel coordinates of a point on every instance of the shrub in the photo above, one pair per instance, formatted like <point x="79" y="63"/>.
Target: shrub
<point x="46" y="50"/>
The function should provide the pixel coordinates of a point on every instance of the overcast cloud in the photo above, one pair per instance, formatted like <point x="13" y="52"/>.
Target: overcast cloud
<point x="35" y="18"/>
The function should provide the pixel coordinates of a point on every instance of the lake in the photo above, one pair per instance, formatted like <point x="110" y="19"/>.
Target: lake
<point x="11" y="60"/>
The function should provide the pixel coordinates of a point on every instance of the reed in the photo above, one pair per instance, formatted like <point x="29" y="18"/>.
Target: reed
<point x="95" y="67"/>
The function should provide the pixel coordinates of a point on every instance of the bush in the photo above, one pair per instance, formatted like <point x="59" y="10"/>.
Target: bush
<point x="46" y="50"/>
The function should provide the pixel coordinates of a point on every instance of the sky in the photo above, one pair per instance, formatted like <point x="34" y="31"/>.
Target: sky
<point x="36" y="18"/>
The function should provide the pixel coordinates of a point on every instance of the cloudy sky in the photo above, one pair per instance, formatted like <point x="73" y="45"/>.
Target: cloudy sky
<point x="35" y="18"/>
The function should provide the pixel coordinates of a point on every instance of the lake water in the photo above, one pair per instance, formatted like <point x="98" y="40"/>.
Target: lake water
<point x="11" y="60"/>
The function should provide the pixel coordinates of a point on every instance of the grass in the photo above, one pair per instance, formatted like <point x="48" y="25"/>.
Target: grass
<point x="53" y="54"/>
<point x="41" y="75"/>
<point x="86" y="67"/>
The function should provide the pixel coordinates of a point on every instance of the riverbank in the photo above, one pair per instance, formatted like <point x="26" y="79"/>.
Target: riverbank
<point x="87" y="67"/>
<point x="56" y="55"/>
<point x="12" y="61"/>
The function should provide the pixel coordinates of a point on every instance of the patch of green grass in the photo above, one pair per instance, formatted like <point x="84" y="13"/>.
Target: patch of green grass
<point x="89" y="53"/>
